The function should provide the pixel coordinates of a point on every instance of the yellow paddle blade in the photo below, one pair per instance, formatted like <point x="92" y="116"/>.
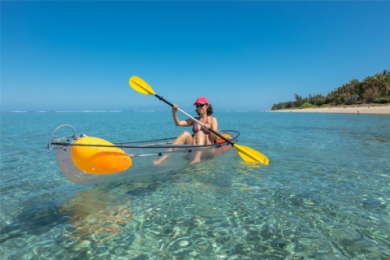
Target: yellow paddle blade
<point x="250" y="155"/>
<point x="141" y="86"/>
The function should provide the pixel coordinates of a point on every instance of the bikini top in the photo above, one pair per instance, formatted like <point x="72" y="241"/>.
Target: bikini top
<point x="195" y="128"/>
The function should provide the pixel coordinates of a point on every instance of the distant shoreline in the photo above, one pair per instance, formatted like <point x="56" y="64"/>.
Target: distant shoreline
<point x="353" y="109"/>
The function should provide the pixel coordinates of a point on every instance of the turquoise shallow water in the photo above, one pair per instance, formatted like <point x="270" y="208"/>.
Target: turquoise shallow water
<point x="325" y="194"/>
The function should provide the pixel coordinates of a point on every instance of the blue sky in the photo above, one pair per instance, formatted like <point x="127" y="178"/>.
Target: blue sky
<point x="241" y="55"/>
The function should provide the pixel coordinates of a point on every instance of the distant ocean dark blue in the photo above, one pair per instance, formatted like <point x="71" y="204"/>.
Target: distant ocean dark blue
<point x="325" y="194"/>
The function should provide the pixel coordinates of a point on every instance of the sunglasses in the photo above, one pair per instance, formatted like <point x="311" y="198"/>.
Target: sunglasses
<point x="200" y="105"/>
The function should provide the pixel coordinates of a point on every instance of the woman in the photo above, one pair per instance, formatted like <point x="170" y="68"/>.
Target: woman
<point x="201" y="135"/>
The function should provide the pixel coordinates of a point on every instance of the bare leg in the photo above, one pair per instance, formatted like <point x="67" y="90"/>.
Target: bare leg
<point x="183" y="138"/>
<point x="200" y="140"/>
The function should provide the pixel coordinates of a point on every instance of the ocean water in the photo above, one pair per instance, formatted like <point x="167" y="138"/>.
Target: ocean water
<point x="325" y="194"/>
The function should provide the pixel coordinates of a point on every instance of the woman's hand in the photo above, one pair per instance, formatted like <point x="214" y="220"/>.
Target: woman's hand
<point x="206" y="126"/>
<point x="174" y="108"/>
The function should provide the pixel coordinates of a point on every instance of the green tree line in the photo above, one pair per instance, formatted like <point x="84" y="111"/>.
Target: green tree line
<point x="373" y="89"/>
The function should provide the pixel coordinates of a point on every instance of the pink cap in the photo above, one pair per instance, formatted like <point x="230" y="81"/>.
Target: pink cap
<point x="201" y="100"/>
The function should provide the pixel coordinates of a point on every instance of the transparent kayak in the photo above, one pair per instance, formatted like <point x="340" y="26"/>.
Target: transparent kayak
<point x="142" y="155"/>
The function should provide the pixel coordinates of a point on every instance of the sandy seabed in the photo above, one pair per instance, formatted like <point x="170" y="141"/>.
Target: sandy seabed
<point x="361" y="109"/>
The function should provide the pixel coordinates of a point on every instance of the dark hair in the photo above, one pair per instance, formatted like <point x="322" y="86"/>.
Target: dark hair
<point x="210" y="110"/>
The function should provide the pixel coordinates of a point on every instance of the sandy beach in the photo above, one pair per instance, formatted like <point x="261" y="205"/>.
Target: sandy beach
<point x="361" y="109"/>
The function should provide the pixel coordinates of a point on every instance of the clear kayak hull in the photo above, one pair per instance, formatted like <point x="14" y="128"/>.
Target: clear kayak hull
<point x="142" y="155"/>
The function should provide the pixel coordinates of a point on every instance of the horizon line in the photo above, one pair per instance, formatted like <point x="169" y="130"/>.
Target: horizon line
<point x="111" y="111"/>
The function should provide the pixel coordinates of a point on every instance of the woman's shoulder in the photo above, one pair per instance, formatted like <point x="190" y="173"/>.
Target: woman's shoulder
<point x="212" y="118"/>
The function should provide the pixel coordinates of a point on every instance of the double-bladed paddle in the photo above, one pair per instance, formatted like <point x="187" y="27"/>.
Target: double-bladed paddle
<point x="246" y="153"/>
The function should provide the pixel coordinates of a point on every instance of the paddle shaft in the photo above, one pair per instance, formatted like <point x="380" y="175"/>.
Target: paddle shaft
<point x="197" y="121"/>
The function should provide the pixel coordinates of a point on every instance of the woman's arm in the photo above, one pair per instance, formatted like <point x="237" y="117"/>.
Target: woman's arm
<point x="178" y="122"/>
<point x="214" y="127"/>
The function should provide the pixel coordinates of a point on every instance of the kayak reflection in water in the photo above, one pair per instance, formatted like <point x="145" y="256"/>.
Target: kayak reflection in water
<point x="202" y="135"/>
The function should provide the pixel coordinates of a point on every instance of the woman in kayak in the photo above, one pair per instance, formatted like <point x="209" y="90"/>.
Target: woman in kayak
<point x="201" y="134"/>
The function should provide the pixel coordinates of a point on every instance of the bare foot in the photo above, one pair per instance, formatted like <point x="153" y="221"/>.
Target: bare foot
<point x="196" y="160"/>
<point x="161" y="160"/>
<point x="157" y="162"/>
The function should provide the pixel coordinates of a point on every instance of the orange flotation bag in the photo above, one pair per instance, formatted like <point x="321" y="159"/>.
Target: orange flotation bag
<point x="99" y="160"/>
<point x="220" y="140"/>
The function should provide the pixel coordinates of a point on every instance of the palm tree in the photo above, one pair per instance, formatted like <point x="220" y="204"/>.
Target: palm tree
<point x="372" y="94"/>
<point x="367" y="84"/>
<point x="299" y="100"/>
<point x="386" y="82"/>
<point x="355" y="88"/>
<point x="345" y="93"/>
